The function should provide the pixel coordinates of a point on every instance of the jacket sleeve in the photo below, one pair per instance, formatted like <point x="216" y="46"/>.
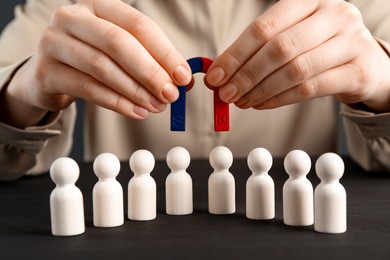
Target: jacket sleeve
<point x="368" y="138"/>
<point x="367" y="133"/>
<point x="30" y="151"/>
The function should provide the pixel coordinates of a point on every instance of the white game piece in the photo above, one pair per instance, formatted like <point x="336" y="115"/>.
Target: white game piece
<point x="66" y="200"/>
<point x="142" y="200"/>
<point x="178" y="184"/>
<point x="330" y="198"/>
<point x="107" y="193"/>
<point x="298" y="190"/>
<point x="221" y="184"/>
<point x="260" y="187"/>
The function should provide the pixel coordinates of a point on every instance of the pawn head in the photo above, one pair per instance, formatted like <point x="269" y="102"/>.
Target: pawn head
<point x="178" y="158"/>
<point x="64" y="171"/>
<point x="221" y="158"/>
<point x="106" y="165"/>
<point x="329" y="166"/>
<point x="297" y="163"/>
<point x="141" y="161"/>
<point x="259" y="160"/>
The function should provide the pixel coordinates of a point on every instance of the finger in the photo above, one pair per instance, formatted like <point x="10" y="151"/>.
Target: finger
<point x="332" y="82"/>
<point x="280" y="50"/>
<point x="88" y="88"/>
<point x="95" y="63"/>
<point x="125" y="49"/>
<point x="332" y="53"/>
<point x="150" y="35"/>
<point x="278" y="18"/>
<point x="137" y="42"/>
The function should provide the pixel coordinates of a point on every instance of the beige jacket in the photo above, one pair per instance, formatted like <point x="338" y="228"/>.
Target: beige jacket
<point x="197" y="28"/>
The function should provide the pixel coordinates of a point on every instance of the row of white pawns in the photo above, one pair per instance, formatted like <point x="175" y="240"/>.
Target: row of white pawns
<point x="325" y="207"/>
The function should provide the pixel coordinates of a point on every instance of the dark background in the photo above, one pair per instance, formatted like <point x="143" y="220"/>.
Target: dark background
<point x="6" y="13"/>
<point x="25" y="222"/>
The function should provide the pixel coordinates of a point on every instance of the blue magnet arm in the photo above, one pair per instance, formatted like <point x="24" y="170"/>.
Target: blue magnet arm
<point x="178" y="111"/>
<point x="178" y="108"/>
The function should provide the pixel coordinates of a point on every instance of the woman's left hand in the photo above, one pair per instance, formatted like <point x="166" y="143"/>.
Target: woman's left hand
<point x="301" y="50"/>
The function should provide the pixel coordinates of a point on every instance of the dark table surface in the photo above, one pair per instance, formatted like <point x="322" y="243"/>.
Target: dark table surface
<point x="25" y="222"/>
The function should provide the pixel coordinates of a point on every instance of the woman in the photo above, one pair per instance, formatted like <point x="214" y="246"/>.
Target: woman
<point x="289" y="60"/>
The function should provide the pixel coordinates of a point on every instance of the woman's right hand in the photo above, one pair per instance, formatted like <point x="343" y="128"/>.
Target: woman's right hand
<point x="107" y="53"/>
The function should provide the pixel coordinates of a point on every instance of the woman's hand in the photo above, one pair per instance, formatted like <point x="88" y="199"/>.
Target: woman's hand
<point x="105" y="52"/>
<point x="300" y="50"/>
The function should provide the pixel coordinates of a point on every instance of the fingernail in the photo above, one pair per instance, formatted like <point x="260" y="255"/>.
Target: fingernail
<point x="157" y="104"/>
<point x="228" y="92"/>
<point x="215" y="76"/>
<point x="141" y="112"/>
<point x="182" y="75"/>
<point x="170" y="92"/>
